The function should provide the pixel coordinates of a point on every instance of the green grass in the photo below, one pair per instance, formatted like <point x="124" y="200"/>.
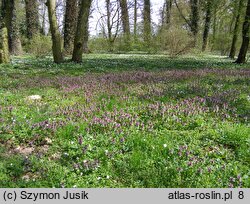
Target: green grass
<point x="125" y="121"/>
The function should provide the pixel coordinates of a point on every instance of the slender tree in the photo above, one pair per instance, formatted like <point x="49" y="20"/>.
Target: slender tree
<point x="245" y="36"/>
<point x="43" y="16"/>
<point x="147" y="22"/>
<point x="109" y="25"/>
<point x="209" y="4"/>
<point x="82" y="26"/>
<point x="70" y="23"/>
<point x="32" y="18"/>
<point x="135" y="20"/>
<point x="214" y="26"/>
<point x="168" y="6"/>
<point x="193" y="20"/>
<point x="110" y="22"/>
<point x="236" y="29"/>
<point x="56" y="37"/>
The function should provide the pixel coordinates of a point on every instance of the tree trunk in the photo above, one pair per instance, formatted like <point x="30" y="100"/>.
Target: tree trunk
<point x="109" y="26"/>
<point x="56" y="37"/>
<point x="169" y="4"/>
<point x="209" y="4"/>
<point x="6" y="13"/>
<point x="236" y="30"/>
<point x="86" y="39"/>
<point x="4" y="44"/>
<point x="4" y="47"/>
<point x="125" y="18"/>
<point x="43" y="23"/>
<point x="245" y="36"/>
<point x="70" y="24"/>
<point x="15" y="45"/>
<point x="135" y="20"/>
<point x="9" y="17"/>
<point x="82" y="26"/>
<point x="194" y="21"/>
<point x="147" y="22"/>
<point x="32" y="18"/>
<point x="214" y="28"/>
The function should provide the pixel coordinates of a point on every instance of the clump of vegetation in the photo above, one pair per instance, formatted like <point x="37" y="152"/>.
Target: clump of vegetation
<point x="39" y="46"/>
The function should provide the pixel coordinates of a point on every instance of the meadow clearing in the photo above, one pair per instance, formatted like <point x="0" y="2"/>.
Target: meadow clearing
<point x="125" y="121"/>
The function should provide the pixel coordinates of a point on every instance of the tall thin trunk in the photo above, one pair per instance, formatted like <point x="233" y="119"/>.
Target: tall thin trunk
<point x="169" y="4"/>
<point x="70" y="24"/>
<point x="43" y="24"/>
<point x="135" y="20"/>
<point x="14" y="34"/>
<point x="56" y="37"/>
<point x="245" y="36"/>
<point x="82" y="26"/>
<point x="207" y="24"/>
<point x="194" y="21"/>
<point x="214" y="28"/>
<point x="236" y="30"/>
<point x="32" y="18"/>
<point x="163" y="16"/>
<point x="147" y="22"/>
<point x="111" y="39"/>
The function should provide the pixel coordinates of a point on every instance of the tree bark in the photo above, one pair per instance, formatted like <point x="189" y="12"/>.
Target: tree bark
<point x="125" y="18"/>
<point x="56" y="37"/>
<point x="245" y="36"/>
<point x="15" y="44"/>
<point x="43" y="23"/>
<point x="6" y="13"/>
<point x="169" y="4"/>
<point x="32" y="18"/>
<point x="82" y="26"/>
<point x="86" y="39"/>
<point x="4" y="47"/>
<point x="209" y="4"/>
<point x="135" y="20"/>
<point x="70" y="24"/>
<point x="214" y="28"/>
<point x="109" y="26"/>
<point x="194" y="21"/>
<point x="236" y="30"/>
<point x="147" y="22"/>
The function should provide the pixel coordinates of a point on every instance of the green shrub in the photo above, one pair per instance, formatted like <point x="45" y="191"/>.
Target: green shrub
<point x="98" y="45"/>
<point x="176" y="41"/>
<point x="39" y="46"/>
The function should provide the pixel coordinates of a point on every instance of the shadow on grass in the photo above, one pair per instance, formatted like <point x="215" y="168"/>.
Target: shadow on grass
<point x="115" y="63"/>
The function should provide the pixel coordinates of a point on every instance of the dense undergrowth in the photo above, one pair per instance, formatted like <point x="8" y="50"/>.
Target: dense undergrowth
<point x="125" y="121"/>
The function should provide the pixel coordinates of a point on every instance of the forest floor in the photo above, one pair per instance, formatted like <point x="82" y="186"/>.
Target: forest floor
<point x="125" y="121"/>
